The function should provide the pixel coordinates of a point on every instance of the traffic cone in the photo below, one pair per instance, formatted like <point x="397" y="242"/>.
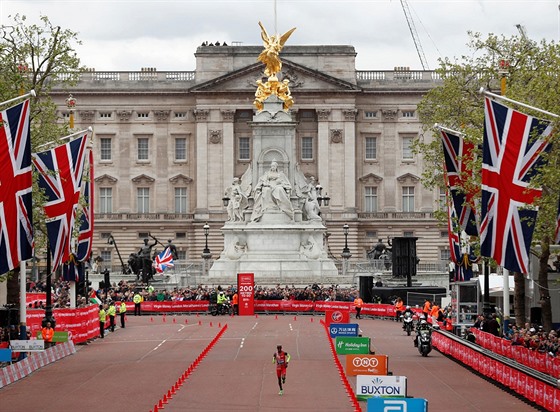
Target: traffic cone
<point x="199" y="322"/>
<point x="186" y="321"/>
<point x="256" y="315"/>
<point x="311" y="319"/>
<point x="276" y="317"/>
<point x="219" y="325"/>
<point x="210" y="324"/>
<point x="295" y="317"/>
<point x="174" y="320"/>
<point x="151" y="319"/>
<point x="164" y="399"/>
<point x="156" y="409"/>
<point x="164" y="318"/>
<point x="160" y="404"/>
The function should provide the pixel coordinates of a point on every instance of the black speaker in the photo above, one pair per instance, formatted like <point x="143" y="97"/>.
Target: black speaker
<point x="536" y="315"/>
<point x="366" y="285"/>
<point x="404" y="256"/>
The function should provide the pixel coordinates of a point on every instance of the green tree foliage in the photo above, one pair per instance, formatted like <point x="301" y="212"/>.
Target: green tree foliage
<point x="532" y="76"/>
<point x="37" y="57"/>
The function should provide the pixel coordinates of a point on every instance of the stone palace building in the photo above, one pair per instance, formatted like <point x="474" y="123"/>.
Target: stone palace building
<point x="167" y="144"/>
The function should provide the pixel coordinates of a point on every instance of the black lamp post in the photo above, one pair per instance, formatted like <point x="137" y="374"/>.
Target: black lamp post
<point x="345" y="252"/>
<point x="48" y="304"/>
<point x="225" y="199"/>
<point x="206" y="254"/>
<point x="111" y="240"/>
<point x="320" y="198"/>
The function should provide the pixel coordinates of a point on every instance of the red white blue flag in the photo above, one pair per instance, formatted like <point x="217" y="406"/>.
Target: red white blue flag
<point x="512" y="148"/>
<point x="85" y="237"/>
<point x="459" y="154"/>
<point x="454" y="239"/>
<point x="60" y="176"/>
<point x="16" y="221"/>
<point x="164" y="261"/>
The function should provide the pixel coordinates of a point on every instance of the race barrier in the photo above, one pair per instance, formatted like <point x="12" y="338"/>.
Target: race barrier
<point x="541" y="362"/>
<point x="34" y="361"/>
<point x="82" y="324"/>
<point x="35" y="297"/>
<point x="533" y="385"/>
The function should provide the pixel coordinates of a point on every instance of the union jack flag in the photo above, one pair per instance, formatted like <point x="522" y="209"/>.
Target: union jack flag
<point x="454" y="239"/>
<point x="511" y="156"/>
<point x="164" y="260"/>
<point x="459" y="155"/>
<point x="85" y="237"/>
<point x="60" y="175"/>
<point x="16" y="220"/>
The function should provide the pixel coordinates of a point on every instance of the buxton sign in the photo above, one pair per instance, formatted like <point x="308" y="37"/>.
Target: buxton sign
<point x="380" y="386"/>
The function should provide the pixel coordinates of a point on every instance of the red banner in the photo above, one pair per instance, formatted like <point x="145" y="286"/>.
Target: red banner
<point x="337" y="316"/>
<point x="81" y="324"/>
<point x="35" y="297"/>
<point x="245" y="291"/>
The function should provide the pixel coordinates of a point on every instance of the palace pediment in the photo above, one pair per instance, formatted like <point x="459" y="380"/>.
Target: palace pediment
<point x="301" y="78"/>
<point x="105" y="179"/>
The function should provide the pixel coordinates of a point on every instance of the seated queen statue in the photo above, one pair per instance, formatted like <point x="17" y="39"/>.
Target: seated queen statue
<point x="272" y="192"/>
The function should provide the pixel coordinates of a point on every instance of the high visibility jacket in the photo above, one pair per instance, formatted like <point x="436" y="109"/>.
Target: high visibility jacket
<point x="112" y="310"/>
<point x="123" y="307"/>
<point x="221" y="299"/>
<point x="235" y="299"/>
<point x="47" y="334"/>
<point x="102" y="315"/>
<point x="426" y="307"/>
<point x="434" y="311"/>
<point x="137" y="298"/>
<point x="399" y="306"/>
<point x="358" y="302"/>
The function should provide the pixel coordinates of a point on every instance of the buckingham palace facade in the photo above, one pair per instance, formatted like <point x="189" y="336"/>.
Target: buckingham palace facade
<point x="167" y="144"/>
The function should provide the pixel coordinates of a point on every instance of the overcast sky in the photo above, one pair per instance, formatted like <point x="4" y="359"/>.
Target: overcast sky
<point x="127" y="35"/>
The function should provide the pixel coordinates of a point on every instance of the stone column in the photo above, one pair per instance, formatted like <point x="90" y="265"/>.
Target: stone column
<point x="349" y="159"/>
<point x="323" y="139"/>
<point x="202" y="164"/>
<point x="228" y="147"/>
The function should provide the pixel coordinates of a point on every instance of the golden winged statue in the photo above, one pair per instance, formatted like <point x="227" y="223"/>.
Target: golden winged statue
<point x="270" y="56"/>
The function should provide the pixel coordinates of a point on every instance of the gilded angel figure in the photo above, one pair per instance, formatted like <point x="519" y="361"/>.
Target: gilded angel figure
<point x="270" y="56"/>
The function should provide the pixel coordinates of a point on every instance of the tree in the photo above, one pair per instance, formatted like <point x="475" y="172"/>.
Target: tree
<point x="37" y="57"/>
<point x="532" y="77"/>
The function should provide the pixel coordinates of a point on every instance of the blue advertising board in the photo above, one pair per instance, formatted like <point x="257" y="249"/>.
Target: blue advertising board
<point x="343" y="329"/>
<point x="397" y="405"/>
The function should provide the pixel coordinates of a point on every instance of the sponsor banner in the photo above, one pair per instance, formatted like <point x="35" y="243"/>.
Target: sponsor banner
<point x="246" y="293"/>
<point x="337" y="316"/>
<point x="59" y="336"/>
<point x="366" y="365"/>
<point x="5" y="355"/>
<point x="27" y="345"/>
<point x="352" y="345"/>
<point x="368" y="386"/>
<point x="343" y="329"/>
<point x="397" y="405"/>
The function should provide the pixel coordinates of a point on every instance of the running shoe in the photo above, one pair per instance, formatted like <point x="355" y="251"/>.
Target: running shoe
<point x="281" y="392"/>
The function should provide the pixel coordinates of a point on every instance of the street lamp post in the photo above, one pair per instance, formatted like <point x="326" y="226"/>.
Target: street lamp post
<point x="206" y="254"/>
<point x="345" y="252"/>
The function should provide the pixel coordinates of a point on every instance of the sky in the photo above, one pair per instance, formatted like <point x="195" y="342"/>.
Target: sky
<point x="126" y="35"/>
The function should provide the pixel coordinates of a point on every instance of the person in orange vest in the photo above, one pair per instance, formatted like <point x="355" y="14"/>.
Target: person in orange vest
<point x="399" y="306"/>
<point x="434" y="313"/>
<point x="426" y="308"/>
<point x="235" y="303"/>
<point x="358" y="303"/>
<point x="47" y="332"/>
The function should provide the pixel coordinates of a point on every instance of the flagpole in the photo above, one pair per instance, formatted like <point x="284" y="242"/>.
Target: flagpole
<point x="497" y="96"/>
<point x="445" y="129"/>
<point x="15" y="99"/>
<point x="89" y="129"/>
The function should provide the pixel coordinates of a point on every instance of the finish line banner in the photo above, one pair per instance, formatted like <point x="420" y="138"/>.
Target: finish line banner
<point x="245" y="292"/>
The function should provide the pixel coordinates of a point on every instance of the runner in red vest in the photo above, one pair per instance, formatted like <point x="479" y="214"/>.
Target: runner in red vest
<point x="282" y="359"/>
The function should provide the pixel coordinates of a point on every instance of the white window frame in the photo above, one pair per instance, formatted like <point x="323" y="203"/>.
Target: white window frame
<point x="368" y="148"/>
<point x="143" y="153"/>
<point x="242" y="150"/>
<point x="106" y="147"/>
<point x="371" y="200"/>
<point x="307" y="148"/>
<point x="181" y="199"/>
<point x="143" y="199"/>
<point x="407" y="153"/>
<point x="408" y="193"/>
<point x="105" y="200"/>
<point x="180" y="152"/>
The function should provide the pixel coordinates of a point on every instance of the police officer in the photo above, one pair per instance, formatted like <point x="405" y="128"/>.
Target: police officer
<point x="122" y="312"/>
<point x="137" y="299"/>
<point x="102" y="319"/>
<point x="112" y="311"/>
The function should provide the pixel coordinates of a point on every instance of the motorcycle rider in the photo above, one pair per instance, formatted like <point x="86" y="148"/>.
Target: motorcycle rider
<point x="222" y="299"/>
<point x="407" y="310"/>
<point x="421" y="326"/>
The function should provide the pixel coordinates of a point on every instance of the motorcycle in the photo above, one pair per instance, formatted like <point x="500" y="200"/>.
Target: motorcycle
<point x="424" y="339"/>
<point x="223" y="309"/>
<point x="408" y="322"/>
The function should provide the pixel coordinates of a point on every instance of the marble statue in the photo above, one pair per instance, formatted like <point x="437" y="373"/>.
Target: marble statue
<point x="237" y="201"/>
<point x="272" y="192"/>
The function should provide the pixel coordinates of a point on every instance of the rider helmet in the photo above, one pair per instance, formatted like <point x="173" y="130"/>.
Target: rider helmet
<point x="408" y="307"/>
<point x="423" y="322"/>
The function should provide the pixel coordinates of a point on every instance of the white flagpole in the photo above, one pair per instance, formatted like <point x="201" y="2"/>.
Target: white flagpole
<point x="89" y="129"/>
<point x="22" y="292"/>
<point x="445" y="129"/>
<point x="15" y="99"/>
<point x="497" y="96"/>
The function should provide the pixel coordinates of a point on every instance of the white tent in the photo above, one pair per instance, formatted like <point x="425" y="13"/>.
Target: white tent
<point x="496" y="284"/>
